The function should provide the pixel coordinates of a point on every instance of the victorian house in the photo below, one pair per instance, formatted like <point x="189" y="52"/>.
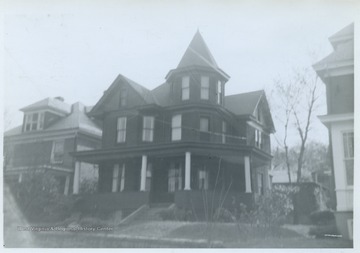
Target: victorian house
<point x="337" y="72"/>
<point x="51" y="129"/>
<point x="181" y="141"/>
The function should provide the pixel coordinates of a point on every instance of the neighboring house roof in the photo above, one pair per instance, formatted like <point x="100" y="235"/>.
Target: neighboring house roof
<point x="347" y="33"/>
<point x="14" y="131"/>
<point x="343" y="54"/>
<point x="49" y="103"/>
<point x="77" y="119"/>
<point x="244" y="103"/>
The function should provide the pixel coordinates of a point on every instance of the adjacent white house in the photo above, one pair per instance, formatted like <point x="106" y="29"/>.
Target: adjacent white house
<point x="337" y="72"/>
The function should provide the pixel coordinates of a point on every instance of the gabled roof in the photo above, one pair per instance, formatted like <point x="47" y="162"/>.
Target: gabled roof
<point x="243" y="103"/>
<point x="143" y="92"/>
<point x="49" y="103"/>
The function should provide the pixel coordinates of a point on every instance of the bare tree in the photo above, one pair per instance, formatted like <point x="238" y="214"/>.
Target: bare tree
<point x="297" y="101"/>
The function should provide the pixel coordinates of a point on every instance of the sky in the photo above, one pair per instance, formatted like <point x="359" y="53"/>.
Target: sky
<point x="76" y="49"/>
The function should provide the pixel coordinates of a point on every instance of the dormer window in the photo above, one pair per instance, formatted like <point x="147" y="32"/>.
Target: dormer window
<point x="204" y="87"/>
<point x="34" y="121"/>
<point x="219" y="93"/>
<point x="185" y="88"/>
<point x="123" y="97"/>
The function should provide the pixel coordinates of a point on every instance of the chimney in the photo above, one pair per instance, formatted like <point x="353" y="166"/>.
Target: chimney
<point x="60" y="99"/>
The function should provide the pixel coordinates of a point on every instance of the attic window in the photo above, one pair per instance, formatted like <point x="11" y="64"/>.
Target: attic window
<point x="123" y="97"/>
<point x="34" y="121"/>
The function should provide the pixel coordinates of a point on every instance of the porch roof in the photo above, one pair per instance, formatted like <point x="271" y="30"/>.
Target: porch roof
<point x="229" y="152"/>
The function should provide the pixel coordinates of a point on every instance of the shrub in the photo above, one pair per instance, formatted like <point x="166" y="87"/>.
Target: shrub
<point x="322" y="217"/>
<point x="223" y="215"/>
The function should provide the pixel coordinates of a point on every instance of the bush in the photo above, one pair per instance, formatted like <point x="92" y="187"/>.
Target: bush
<point x="223" y="215"/>
<point x="322" y="217"/>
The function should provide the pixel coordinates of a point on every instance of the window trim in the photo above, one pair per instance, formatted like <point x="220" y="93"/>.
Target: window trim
<point x="119" y="130"/>
<point x="118" y="178"/>
<point x="150" y="129"/>
<point x="205" y="88"/>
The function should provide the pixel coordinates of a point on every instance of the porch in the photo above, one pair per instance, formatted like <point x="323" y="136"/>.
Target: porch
<point x="187" y="179"/>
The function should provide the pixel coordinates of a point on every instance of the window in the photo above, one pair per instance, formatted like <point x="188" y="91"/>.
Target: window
<point x="176" y="128"/>
<point x="148" y="128"/>
<point x="219" y="93"/>
<point x="118" y="183"/>
<point x="348" y="139"/>
<point x="185" y="88"/>
<point x="204" y="129"/>
<point x="34" y="121"/>
<point x="121" y="130"/>
<point x="148" y="177"/>
<point x="57" y="154"/>
<point x="260" y="179"/>
<point x="258" y="138"/>
<point x="203" y="179"/>
<point x="175" y="179"/>
<point x="123" y="97"/>
<point x="204" y="94"/>
<point x="204" y="124"/>
<point x="223" y="135"/>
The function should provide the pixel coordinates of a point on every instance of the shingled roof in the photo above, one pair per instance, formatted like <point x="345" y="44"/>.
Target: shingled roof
<point x="343" y="54"/>
<point x="49" y="103"/>
<point x="243" y="103"/>
<point x="198" y="55"/>
<point x="75" y="119"/>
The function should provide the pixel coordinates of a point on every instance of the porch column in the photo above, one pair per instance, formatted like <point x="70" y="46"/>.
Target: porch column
<point x="187" y="170"/>
<point x="67" y="183"/>
<point x="20" y="177"/>
<point x="143" y="173"/>
<point x="247" y="174"/>
<point x="76" y="185"/>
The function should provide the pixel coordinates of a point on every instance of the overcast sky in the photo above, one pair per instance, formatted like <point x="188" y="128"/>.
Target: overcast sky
<point x="75" y="49"/>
